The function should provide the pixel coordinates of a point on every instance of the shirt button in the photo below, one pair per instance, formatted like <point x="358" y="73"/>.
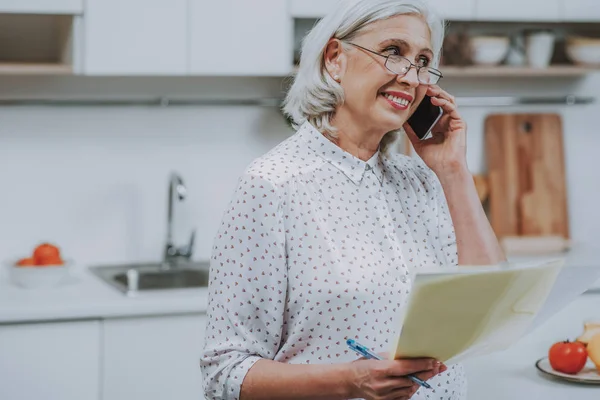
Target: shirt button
<point x="403" y="279"/>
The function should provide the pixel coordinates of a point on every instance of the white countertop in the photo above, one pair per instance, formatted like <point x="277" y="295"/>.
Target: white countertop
<point x="85" y="296"/>
<point x="511" y="374"/>
<point x="578" y="256"/>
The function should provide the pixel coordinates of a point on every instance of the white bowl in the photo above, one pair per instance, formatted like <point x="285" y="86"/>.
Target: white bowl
<point x="489" y="50"/>
<point x="583" y="51"/>
<point x="38" y="276"/>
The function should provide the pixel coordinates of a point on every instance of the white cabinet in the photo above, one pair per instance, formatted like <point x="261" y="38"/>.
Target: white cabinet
<point x="581" y="10"/>
<point x="65" y="7"/>
<point x="153" y="358"/>
<point x="518" y="10"/>
<point x="448" y="9"/>
<point x="311" y="8"/>
<point x="136" y="37"/>
<point x="455" y="9"/>
<point x="50" y="361"/>
<point x="240" y="37"/>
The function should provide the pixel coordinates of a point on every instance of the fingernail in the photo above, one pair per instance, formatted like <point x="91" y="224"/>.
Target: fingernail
<point x="437" y="363"/>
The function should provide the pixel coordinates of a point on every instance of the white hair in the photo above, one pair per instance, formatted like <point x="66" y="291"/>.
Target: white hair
<point x="314" y="96"/>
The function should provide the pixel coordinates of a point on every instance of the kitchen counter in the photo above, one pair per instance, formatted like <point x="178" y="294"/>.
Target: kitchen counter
<point x="84" y="296"/>
<point x="578" y="256"/>
<point x="511" y="374"/>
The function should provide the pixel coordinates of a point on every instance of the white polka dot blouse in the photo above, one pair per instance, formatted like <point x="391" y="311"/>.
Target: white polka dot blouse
<point x="317" y="246"/>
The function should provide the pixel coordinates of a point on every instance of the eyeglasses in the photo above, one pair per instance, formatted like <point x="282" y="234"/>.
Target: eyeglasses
<point x="400" y="66"/>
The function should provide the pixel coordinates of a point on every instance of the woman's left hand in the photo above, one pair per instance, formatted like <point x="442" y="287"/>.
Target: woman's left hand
<point x="445" y="152"/>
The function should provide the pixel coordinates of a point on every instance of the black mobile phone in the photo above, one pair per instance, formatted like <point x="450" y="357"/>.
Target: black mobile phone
<point x="424" y="118"/>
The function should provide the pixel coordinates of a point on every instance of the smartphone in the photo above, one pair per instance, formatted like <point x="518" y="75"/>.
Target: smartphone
<point x="424" y="118"/>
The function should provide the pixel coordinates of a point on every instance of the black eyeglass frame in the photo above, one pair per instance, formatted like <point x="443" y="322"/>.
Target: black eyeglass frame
<point x="431" y="70"/>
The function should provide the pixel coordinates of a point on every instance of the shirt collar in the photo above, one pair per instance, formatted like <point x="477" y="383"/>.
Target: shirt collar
<point x="375" y="164"/>
<point x="353" y="167"/>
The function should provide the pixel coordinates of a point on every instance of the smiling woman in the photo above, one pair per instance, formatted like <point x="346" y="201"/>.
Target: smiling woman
<point x="322" y="234"/>
<point x="317" y="93"/>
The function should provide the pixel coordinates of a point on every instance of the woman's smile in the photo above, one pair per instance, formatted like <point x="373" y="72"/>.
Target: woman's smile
<point x="398" y="100"/>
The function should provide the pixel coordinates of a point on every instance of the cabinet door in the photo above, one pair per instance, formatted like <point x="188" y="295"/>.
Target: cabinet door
<point x="240" y="37"/>
<point x="153" y="358"/>
<point x="455" y="9"/>
<point x="518" y="10"/>
<point x="135" y="37"/>
<point x="581" y="10"/>
<point x="50" y="361"/>
<point x="311" y="8"/>
<point x="448" y="9"/>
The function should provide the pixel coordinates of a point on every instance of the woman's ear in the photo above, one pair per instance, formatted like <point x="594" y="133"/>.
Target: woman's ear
<point x="335" y="59"/>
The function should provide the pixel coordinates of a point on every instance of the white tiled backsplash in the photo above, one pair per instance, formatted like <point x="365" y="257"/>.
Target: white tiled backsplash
<point x="94" y="180"/>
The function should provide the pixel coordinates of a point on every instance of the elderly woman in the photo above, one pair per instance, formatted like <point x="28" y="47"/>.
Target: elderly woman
<point x="324" y="230"/>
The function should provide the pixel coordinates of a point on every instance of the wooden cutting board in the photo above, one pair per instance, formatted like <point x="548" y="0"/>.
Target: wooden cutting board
<point x="527" y="184"/>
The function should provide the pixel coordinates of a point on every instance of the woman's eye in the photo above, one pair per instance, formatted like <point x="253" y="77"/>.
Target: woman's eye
<point x="423" y="61"/>
<point x="392" y="50"/>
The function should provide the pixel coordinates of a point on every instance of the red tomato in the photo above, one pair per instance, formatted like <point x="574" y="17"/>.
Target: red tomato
<point x="25" y="262"/>
<point x="46" y="253"/>
<point x="51" y="261"/>
<point x="567" y="357"/>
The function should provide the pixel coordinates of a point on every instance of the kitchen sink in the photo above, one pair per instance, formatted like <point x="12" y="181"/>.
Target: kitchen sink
<point x="146" y="277"/>
<point x="174" y="271"/>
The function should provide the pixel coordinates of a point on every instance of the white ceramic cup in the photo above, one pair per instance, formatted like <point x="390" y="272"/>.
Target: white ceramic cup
<point x="540" y="47"/>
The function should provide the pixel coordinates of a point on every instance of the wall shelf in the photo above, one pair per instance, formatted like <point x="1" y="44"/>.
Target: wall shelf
<point x="508" y="71"/>
<point x="276" y="102"/>
<point x="501" y="71"/>
<point x="32" y="44"/>
<point x="35" y="69"/>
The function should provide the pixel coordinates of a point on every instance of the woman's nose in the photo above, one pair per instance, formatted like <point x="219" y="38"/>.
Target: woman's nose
<point x="411" y="78"/>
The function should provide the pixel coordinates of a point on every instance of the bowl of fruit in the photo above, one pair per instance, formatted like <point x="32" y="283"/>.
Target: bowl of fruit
<point x="577" y="360"/>
<point x="44" y="268"/>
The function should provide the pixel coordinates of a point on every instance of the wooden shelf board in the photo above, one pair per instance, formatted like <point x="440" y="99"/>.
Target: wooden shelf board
<point x="507" y="71"/>
<point x="35" y="69"/>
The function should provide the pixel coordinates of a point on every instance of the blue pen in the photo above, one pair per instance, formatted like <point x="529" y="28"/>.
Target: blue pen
<point x="365" y="352"/>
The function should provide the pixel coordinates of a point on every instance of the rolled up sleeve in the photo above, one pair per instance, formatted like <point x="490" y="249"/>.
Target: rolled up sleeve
<point x="247" y="288"/>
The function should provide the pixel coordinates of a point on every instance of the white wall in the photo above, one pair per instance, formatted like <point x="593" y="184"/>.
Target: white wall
<point x="94" y="180"/>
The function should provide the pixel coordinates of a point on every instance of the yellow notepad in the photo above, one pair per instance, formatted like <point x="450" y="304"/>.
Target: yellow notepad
<point x="455" y="313"/>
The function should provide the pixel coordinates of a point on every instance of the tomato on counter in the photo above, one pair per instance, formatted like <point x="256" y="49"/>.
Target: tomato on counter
<point x="46" y="254"/>
<point x="568" y="357"/>
<point x="26" y="262"/>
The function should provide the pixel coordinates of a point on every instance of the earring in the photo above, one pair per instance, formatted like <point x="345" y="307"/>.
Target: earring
<point x="336" y="78"/>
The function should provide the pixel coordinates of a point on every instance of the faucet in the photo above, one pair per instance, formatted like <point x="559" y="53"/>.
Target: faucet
<point x="172" y="253"/>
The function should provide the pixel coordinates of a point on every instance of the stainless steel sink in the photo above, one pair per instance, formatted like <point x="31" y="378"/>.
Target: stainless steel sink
<point x="176" y="271"/>
<point x="146" y="277"/>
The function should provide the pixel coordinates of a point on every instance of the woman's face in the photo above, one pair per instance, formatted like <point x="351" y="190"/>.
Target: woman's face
<point x="375" y="97"/>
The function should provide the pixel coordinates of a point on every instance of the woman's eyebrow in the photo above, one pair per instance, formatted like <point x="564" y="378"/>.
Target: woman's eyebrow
<point x="405" y="45"/>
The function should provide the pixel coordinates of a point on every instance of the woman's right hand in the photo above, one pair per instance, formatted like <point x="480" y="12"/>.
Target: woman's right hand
<point x="386" y="379"/>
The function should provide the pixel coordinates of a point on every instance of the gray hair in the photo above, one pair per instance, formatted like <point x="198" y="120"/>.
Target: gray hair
<point x="314" y="95"/>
